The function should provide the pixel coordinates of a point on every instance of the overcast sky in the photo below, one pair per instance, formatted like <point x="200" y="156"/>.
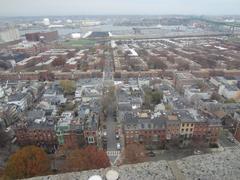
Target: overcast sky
<point x="118" y="7"/>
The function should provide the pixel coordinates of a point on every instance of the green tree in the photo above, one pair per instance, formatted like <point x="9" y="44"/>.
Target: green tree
<point x="152" y="97"/>
<point x="68" y="86"/>
<point x="230" y="101"/>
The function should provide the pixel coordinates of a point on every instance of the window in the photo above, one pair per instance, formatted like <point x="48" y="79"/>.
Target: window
<point x="91" y="140"/>
<point x="191" y="125"/>
<point x="187" y="129"/>
<point x="191" y="129"/>
<point x="187" y="124"/>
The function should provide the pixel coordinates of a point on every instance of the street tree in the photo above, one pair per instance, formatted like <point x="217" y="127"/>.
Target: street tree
<point x="152" y="97"/>
<point x="85" y="159"/>
<point x="27" y="162"/>
<point x="68" y="86"/>
<point x="134" y="153"/>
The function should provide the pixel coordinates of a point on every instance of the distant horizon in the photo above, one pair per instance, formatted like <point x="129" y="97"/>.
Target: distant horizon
<point x="25" y="8"/>
<point x="75" y="15"/>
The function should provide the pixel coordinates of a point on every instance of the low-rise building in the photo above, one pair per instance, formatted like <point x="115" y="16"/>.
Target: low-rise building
<point x="37" y="131"/>
<point x="145" y="130"/>
<point x="22" y="100"/>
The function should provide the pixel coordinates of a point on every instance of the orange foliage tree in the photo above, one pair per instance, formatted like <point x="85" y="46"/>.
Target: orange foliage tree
<point x="85" y="159"/>
<point x="27" y="162"/>
<point x="134" y="153"/>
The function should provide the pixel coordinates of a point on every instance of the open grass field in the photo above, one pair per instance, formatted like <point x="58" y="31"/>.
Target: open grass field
<point x="80" y="42"/>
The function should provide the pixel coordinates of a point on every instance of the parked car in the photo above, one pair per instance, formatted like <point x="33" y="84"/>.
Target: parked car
<point x="231" y="139"/>
<point x="197" y="152"/>
<point x="117" y="136"/>
<point x="118" y="146"/>
<point x="151" y="154"/>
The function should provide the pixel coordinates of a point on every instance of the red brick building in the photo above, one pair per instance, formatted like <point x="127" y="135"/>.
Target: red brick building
<point x="213" y="133"/>
<point x="143" y="129"/>
<point x="42" y="136"/>
<point x="172" y="127"/>
<point x="200" y="130"/>
<point x="42" y="36"/>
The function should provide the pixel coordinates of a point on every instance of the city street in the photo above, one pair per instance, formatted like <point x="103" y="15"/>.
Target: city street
<point x="112" y="151"/>
<point x="111" y="139"/>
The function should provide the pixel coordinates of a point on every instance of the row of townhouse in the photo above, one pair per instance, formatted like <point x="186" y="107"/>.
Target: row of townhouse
<point x="182" y="126"/>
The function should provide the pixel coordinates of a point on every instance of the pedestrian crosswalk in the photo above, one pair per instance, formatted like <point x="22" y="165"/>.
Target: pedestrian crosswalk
<point x="113" y="153"/>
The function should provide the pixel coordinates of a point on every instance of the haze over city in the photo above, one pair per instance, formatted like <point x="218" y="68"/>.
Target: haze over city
<point x="120" y="89"/>
<point x="115" y="7"/>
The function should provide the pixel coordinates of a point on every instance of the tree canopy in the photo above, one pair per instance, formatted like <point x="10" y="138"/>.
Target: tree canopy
<point x="68" y="86"/>
<point x="27" y="162"/>
<point x="152" y="97"/>
<point x="85" y="159"/>
<point x="134" y="153"/>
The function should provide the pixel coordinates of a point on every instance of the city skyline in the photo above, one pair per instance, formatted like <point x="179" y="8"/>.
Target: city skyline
<point x="110" y="7"/>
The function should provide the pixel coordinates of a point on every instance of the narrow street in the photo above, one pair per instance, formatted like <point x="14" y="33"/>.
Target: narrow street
<point x="108" y="81"/>
<point x="112" y="151"/>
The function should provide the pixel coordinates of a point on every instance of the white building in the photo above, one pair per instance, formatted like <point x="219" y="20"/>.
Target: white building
<point x="75" y="35"/>
<point x="8" y="35"/>
<point x="226" y="87"/>
<point x="19" y="100"/>
<point x="46" y="21"/>
<point x="192" y="94"/>
<point x="229" y="92"/>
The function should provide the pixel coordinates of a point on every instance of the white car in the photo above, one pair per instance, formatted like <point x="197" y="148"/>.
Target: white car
<point x="118" y="146"/>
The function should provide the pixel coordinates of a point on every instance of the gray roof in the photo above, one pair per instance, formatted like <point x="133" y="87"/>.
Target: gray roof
<point x="16" y="97"/>
<point x="132" y="121"/>
<point x="35" y="114"/>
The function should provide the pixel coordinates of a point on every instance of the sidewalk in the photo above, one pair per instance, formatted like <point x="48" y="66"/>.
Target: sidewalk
<point x="176" y="171"/>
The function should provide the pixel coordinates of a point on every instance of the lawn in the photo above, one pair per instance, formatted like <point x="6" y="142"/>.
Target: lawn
<point x="80" y="42"/>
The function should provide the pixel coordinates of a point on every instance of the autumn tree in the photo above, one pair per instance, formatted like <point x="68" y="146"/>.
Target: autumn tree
<point x="85" y="159"/>
<point x="134" y="153"/>
<point x="68" y="86"/>
<point x="27" y="162"/>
